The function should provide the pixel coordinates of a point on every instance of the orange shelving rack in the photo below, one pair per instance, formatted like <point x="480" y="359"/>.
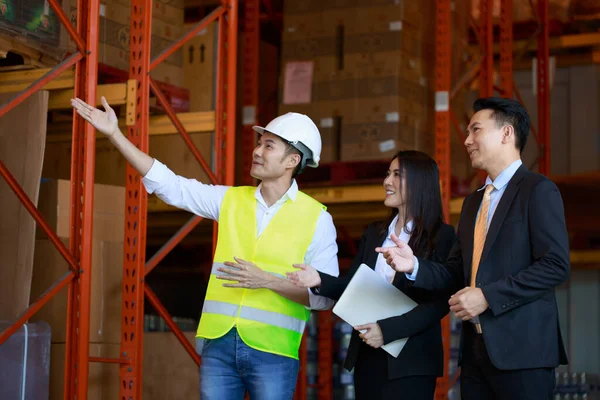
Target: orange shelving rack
<point x="135" y="265"/>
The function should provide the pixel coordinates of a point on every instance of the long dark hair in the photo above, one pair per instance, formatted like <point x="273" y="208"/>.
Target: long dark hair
<point x="423" y="200"/>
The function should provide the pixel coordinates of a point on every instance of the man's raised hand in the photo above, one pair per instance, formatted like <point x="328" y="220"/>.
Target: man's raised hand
<point x="105" y="122"/>
<point x="399" y="257"/>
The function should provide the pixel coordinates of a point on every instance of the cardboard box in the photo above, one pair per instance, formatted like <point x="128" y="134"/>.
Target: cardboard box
<point x="172" y="151"/>
<point x="103" y="378"/>
<point x="169" y="371"/>
<point x="522" y="10"/>
<point x="120" y="13"/>
<point x="118" y="57"/>
<point x="39" y="21"/>
<point x="374" y="141"/>
<point x="356" y="17"/>
<point x="107" y="259"/>
<point x="374" y="18"/>
<point x="312" y="6"/>
<point x="22" y="138"/>
<point x="385" y="86"/>
<point x="405" y="41"/>
<point x="307" y="26"/>
<point x="368" y="65"/>
<point x="358" y="128"/>
<point x="107" y="278"/>
<point x="329" y="121"/>
<point x="199" y="68"/>
<point x="109" y="210"/>
<point x="357" y="102"/>
<point x="373" y="72"/>
<point x="9" y="9"/>
<point x="115" y="37"/>
<point x="583" y="8"/>
<point x="111" y="165"/>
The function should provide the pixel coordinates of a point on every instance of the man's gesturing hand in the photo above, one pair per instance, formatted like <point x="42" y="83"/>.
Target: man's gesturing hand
<point x="399" y="257"/>
<point x="105" y="122"/>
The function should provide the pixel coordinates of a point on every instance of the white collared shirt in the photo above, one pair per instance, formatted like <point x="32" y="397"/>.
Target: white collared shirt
<point x="381" y="267"/>
<point x="205" y="200"/>
<point x="500" y="184"/>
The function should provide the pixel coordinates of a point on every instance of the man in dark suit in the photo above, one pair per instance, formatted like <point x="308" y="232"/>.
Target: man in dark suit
<point x="511" y="252"/>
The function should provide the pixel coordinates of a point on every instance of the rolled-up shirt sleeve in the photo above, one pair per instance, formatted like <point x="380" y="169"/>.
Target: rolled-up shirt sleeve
<point x="188" y="194"/>
<point x="322" y="255"/>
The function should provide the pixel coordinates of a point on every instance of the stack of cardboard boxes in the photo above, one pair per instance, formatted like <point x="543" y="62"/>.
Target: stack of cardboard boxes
<point x="115" y="17"/>
<point x="199" y="67"/>
<point x="107" y="276"/>
<point x="36" y="21"/>
<point x="362" y="70"/>
<point x="111" y="165"/>
<point x="169" y="372"/>
<point x="22" y="137"/>
<point x="31" y="19"/>
<point x="526" y="11"/>
<point x="197" y="74"/>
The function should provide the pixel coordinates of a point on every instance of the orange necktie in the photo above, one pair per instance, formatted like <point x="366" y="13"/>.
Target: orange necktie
<point x="479" y="241"/>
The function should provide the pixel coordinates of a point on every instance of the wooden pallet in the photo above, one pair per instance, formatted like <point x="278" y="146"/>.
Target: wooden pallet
<point x="33" y="57"/>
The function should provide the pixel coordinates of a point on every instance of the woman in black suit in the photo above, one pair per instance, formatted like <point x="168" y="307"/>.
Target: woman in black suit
<point x="413" y="194"/>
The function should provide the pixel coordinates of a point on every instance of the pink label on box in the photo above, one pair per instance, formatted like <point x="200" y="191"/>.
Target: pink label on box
<point x="297" y="87"/>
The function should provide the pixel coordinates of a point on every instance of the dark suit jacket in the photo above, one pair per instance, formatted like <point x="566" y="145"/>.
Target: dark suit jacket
<point x="525" y="256"/>
<point x="423" y="353"/>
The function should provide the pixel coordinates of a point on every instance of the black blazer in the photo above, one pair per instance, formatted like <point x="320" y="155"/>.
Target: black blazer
<point x="423" y="353"/>
<point x="525" y="256"/>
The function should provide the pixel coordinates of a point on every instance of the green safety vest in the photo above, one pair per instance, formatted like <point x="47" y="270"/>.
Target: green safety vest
<point x="264" y="320"/>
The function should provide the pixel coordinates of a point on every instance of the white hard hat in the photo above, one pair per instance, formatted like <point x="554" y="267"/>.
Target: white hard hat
<point x="299" y="131"/>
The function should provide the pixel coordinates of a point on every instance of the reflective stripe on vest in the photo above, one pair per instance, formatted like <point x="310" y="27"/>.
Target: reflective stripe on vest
<point x="254" y="314"/>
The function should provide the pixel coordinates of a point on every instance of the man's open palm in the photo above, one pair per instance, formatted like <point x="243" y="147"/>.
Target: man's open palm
<point x="105" y="122"/>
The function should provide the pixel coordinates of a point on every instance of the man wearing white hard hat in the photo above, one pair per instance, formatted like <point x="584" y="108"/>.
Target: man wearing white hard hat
<point x="253" y="318"/>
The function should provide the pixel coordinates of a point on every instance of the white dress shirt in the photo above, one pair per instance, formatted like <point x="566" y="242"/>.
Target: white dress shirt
<point x="499" y="184"/>
<point x="381" y="267"/>
<point x="205" y="200"/>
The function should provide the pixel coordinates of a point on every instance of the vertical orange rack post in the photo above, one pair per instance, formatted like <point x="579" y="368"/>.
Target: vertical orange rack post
<point x="82" y="192"/>
<point x="325" y="355"/>
<point x="443" y="61"/>
<point x="135" y="266"/>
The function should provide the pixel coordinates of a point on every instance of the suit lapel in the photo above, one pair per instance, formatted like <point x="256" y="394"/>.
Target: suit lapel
<point x="503" y="206"/>
<point x="468" y="227"/>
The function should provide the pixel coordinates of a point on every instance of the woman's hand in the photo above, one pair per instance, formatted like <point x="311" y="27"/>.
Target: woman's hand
<point x="373" y="335"/>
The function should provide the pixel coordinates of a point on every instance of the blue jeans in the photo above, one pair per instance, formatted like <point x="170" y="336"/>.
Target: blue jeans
<point x="229" y="368"/>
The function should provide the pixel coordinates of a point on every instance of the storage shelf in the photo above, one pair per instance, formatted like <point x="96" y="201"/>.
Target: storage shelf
<point x="159" y="125"/>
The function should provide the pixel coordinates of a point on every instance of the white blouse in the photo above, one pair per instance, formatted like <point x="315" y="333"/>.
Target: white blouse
<point x="381" y="266"/>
